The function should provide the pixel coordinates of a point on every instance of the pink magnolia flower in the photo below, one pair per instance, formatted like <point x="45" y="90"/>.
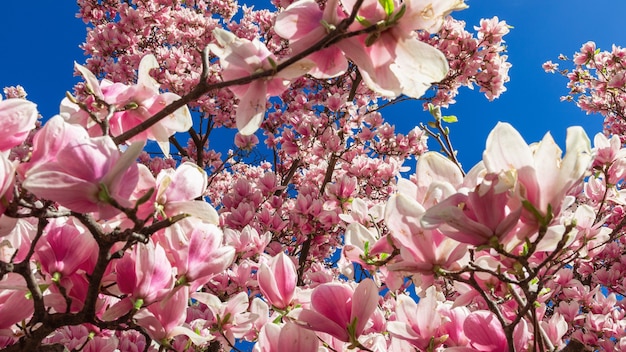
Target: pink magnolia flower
<point x="485" y="332"/>
<point x="86" y="174"/>
<point x="303" y="23"/>
<point x="288" y="337"/>
<point x="55" y="135"/>
<point x="134" y="105"/>
<point x="544" y="177"/>
<point x="165" y="319"/>
<point x="17" y="119"/>
<point x="14" y="304"/>
<point x="417" y="323"/>
<point x="7" y="182"/>
<point x="241" y="58"/>
<point x="64" y="248"/>
<point x="197" y="251"/>
<point x="278" y="280"/>
<point x="177" y="190"/>
<point x="231" y="318"/>
<point x="393" y="61"/>
<point x="339" y="310"/>
<point x="143" y="274"/>
<point x="489" y="211"/>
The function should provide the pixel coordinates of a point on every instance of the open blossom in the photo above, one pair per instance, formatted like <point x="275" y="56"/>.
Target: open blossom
<point x="7" y="181"/>
<point x="339" y="310"/>
<point x="287" y="337"/>
<point x="240" y="58"/>
<point x="17" y="119"/>
<point x="392" y="61"/>
<point x="86" y="175"/>
<point x="545" y="176"/>
<point x="491" y="210"/>
<point x="301" y="23"/>
<point x="134" y="104"/>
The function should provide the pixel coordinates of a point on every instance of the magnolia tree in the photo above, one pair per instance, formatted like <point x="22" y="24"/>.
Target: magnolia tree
<point x="124" y="229"/>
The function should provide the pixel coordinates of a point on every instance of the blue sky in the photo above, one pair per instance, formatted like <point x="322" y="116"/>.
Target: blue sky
<point x="40" y="43"/>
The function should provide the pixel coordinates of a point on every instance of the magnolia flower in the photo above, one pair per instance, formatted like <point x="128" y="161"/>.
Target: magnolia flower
<point x="339" y="310"/>
<point x="87" y="175"/>
<point x="288" y="337"/>
<point x="545" y="177"/>
<point x="17" y="119"/>
<point x="240" y="58"/>
<point x="278" y="280"/>
<point x="134" y="104"/>
<point x="303" y="23"/>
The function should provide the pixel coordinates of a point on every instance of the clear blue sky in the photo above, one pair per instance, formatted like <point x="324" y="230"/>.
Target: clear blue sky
<point x="40" y="43"/>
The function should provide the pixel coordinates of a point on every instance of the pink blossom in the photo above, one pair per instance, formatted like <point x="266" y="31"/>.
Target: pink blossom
<point x="240" y="58"/>
<point x="339" y="310"/>
<point x="417" y="323"/>
<point x="17" y="119"/>
<point x="303" y="23"/>
<point x="134" y="105"/>
<point x="288" y="337"/>
<point x="393" y="61"/>
<point x="14" y="305"/>
<point x="94" y="170"/>
<point x="197" y="251"/>
<point x="278" y="280"/>
<point x="489" y="211"/>
<point x="55" y="135"/>
<point x="7" y="182"/>
<point x="485" y="332"/>
<point x="65" y="247"/>
<point x="144" y="275"/>
<point x="545" y="176"/>
<point x="164" y="320"/>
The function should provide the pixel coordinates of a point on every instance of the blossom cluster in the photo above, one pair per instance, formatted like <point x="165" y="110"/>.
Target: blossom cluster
<point x="316" y="239"/>
<point x="597" y="84"/>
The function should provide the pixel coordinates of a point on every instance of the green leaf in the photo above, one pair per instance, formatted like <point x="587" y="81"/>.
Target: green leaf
<point x="450" y="119"/>
<point x="387" y="6"/>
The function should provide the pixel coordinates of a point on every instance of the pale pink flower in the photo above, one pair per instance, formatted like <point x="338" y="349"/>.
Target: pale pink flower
<point x="48" y="141"/>
<point x="550" y="67"/>
<point x="196" y="250"/>
<point x="64" y="248"/>
<point x="485" y="332"/>
<point x="490" y="211"/>
<point x="393" y="61"/>
<point x="240" y="58"/>
<point x="14" y="304"/>
<point x="277" y="281"/>
<point x="7" y="182"/>
<point x="17" y="119"/>
<point x="545" y="177"/>
<point x="303" y="23"/>
<point x="339" y="310"/>
<point x="165" y="319"/>
<point x="86" y="175"/>
<point x="144" y="275"/>
<point x="417" y="323"/>
<point x="288" y="337"/>
<point x="231" y="317"/>
<point x="135" y="104"/>
<point x="177" y="190"/>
